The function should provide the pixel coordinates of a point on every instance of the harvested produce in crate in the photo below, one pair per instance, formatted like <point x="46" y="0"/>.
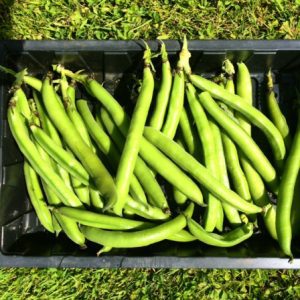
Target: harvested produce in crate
<point x="178" y="165"/>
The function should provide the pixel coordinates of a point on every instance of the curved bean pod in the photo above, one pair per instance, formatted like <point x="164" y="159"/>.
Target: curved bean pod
<point x="49" y="128"/>
<point x="182" y="236"/>
<point x="27" y="147"/>
<point x="198" y="171"/>
<point x="60" y="155"/>
<point x="104" y="143"/>
<point x="71" y="229"/>
<point x="142" y="238"/>
<point x="230" y="212"/>
<point x="99" y="174"/>
<point x="151" y="154"/>
<point x="229" y="239"/>
<point x="295" y="211"/>
<point x="85" y="193"/>
<point x="244" y="90"/>
<point x="214" y="212"/>
<point x="36" y="197"/>
<point x="187" y="132"/>
<point x="141" y="170"/>
<point x="145" y="210"/>
<point x="163" y="94"/>
<point x="135" y="132"/>
<point x="231" y="153"/>
<point x="30" y="80"/>
<point x="270" y="220"/>
<point x="101" y="221"/>
<point x="175" y="104"/>
<point x="242" y="139"/>
<point x="255" y="116"/>
<point x="96" y="199"/>
<point x="179" y="197"/>
<point x="275" y="113"/>
<point x="256" y="185"/>
<point x="286" y="193"/>
<point x="173" y="174"/>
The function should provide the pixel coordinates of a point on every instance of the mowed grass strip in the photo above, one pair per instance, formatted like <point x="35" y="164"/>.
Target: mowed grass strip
<point x="148" y="284"/>
<point x="149" y="19"/>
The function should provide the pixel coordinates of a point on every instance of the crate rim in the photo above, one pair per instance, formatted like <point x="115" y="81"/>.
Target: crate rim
<point x="138" y="45"/>
<point x="147" y="262"/>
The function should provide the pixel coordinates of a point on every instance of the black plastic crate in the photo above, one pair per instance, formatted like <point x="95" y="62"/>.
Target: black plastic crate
<point x="23" y="241"/>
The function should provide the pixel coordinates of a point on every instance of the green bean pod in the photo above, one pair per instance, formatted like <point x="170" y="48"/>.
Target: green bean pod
<point x="49" y="128"/>
<point x="151" y="154"/>
<point x="275" y="113"/>
<point x="286" y="193"/>
<point x="28" y="148"/>
<point x="230" y="212"/>
<point x="170" y="171"/>
<point x="214" y="212"/>
<point x="109" y="103"/>
<point x="255" y="116"/>
<point x="82" y="191"/>
<point x="189" y="164"/>
<point x="135" y="132"/>
<point x="96" y="199"/>
<point x="244" y="90"/>
<point x="71" y="229"/>
<point x="179" y="197"/>
<point x="256" y="185"/>
<point x="188" y="133"/>
<point x="162" y="99"/>
<point x="175" y="103"/>
<point x="270" y="220"/>
<point x="30" y="80"/>
<point x="232" y="159"/>
<point x="104" y="143"/>
<point x="242" y="139"/>
<point x="37" y="198"/>
<point x="234" y="169"/>
<point x="97" y="133"/>
<point x="101" y="221"/>
<point x="229" y="239"/>
<point x="60" y="155"/>
<point x="68" y="93"/>
<point x="145" y="210"/>
<point x="142" y="238"/>
<point x="52" y="198"/>
<point x="97" y="171"/>
<point x="295" y="211"/>
<point x="142" y="171"/>
<point x="68" y="96"/>
<point x="182" y="236"/>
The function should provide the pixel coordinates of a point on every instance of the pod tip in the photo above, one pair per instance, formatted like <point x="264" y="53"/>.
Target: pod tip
<point x="228" y="67"/>
<point x="184" y="57"/>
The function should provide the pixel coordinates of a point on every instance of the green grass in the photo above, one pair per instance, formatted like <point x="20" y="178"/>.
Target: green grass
<point x="133" y="19"/>
<point x="148" y="284"/>
<point x="149" y="19"/>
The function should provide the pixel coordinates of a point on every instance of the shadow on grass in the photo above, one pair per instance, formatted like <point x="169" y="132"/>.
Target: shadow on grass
<point x="5" y="19"/>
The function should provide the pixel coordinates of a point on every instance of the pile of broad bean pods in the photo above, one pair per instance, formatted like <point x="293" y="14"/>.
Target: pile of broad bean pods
<point x="182" y="166"/>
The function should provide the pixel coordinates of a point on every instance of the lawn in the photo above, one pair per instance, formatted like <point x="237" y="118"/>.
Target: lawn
<point x="149" y="19"/>
<point x="134" y="19"/>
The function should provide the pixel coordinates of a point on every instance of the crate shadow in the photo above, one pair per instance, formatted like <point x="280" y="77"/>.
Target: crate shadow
<point x="6" y="32"/>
